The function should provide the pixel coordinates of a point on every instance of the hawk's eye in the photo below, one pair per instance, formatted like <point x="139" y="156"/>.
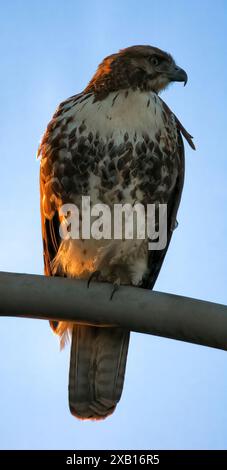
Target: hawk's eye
<point x="154" y="60"/>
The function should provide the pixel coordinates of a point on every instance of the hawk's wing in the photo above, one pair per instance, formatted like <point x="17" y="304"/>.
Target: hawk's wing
<point x="49" y="213"/>
<point x="49" y="217"/>
<point x="156" y="258"/>
<point x="50" y="237"/>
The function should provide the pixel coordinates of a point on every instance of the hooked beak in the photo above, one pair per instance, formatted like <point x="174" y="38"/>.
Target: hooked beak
<point x="178" y="75"/>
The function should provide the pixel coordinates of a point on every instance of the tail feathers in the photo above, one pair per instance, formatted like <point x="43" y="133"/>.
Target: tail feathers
<point x="97" y="369"/>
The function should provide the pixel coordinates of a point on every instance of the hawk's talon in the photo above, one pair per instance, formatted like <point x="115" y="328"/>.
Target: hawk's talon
<point x="94" y="276"/>
<point x="116" y="286"/>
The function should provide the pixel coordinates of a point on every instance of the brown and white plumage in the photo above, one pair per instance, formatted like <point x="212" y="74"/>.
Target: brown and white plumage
<point x="117" y="142"/>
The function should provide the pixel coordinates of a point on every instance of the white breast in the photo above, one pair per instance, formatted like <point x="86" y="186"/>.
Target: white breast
<point x="124" y="111"/>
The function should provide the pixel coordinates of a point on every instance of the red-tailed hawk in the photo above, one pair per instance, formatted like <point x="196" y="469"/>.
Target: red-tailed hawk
<point x="116" y="142"/>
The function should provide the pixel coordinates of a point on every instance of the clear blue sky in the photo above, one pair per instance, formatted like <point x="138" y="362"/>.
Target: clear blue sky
<point x="175" y="394"/>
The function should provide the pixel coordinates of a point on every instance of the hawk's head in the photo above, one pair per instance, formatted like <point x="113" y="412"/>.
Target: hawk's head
<point x="144" y="67"/>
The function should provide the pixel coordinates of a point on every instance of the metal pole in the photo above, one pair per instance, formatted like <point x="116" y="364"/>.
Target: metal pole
<point x="156" y="313"/>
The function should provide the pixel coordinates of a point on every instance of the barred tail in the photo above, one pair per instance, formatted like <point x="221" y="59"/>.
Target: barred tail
<point x="97" y="369"/>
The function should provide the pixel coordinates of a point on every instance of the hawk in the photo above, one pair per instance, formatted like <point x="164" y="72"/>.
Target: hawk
<point x="117" y="142"/>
